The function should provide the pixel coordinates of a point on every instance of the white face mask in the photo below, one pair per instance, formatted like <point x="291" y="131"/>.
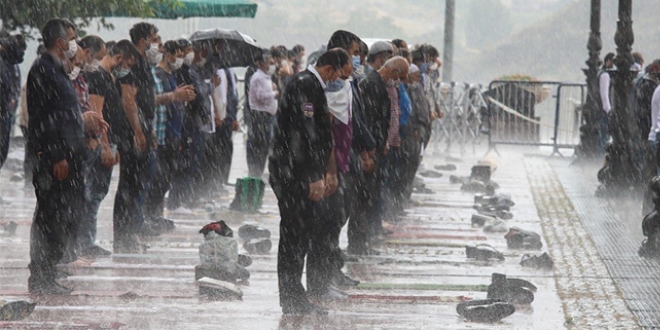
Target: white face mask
<point x="74" y="73"/>
<point x="188" y="60"/>
<point x="177" y="64"/>
<point x="73" y="48"/>
<point x="271" y="69"/>
<point x="94" y="66"/>
<point x="153" y="55"/>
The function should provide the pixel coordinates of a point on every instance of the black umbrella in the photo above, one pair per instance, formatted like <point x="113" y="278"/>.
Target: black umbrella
<point x="232" y="48"/>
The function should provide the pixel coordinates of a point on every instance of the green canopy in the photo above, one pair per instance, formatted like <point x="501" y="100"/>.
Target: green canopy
<point x="206" y="8"/>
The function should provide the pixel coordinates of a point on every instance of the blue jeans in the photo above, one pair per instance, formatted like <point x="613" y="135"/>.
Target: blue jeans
<point x="97" y="185"/>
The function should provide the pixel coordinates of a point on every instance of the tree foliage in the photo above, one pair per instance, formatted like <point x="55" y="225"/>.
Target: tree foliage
<point x="25" y="15"/>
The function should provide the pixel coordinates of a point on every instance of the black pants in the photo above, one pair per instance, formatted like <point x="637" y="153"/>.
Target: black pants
<point x="128" y="215"/>
<point x="219" y="154"/>
<point x="166" y="166"/>
<point x="97" y="185"/>
<point x="29" y="158"/>
<point x="60" y="205"/>
<point x="260" y="134"/>
<point x="6" y="122"/>
<point x="300" y="236"/>
<point x="325" y="255"/>
<point x="362" y="207"/>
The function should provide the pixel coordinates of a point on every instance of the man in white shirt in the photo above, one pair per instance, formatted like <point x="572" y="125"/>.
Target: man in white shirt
<point x="263" y="105"/>
<point x="604" y="93"/>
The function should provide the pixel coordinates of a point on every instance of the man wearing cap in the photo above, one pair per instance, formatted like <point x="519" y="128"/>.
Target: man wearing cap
<point x="379" y="53"/>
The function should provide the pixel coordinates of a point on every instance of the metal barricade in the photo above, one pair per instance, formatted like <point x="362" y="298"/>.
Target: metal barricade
<point x="464" y="109"/>
<point x="534" y="113"/>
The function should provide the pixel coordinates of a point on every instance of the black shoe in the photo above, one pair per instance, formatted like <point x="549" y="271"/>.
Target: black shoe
<point x="95" y="251"/>
<point x="430" y="174"/>
<point x="513" y="291"/>
<point x="483" y="252"/>
<point x="517" y="238"/>
<point x="48" y="288"/>
<point x="248" y="232"/>
<point x="305" y="308"/>
<point x="10" y="228"/>
<point x="485" y="310"/>
<point x="161" y="224"/>
<point x="244" y="261"/>
<point x="16" y="310"/>
<point x="448" y="167"/>
<point x="242" y="273"/>
<point x="541" y="262"/>
<point x="343" y="281"/>
<point x="258" y="246"/>
<point x="479" y="220"/>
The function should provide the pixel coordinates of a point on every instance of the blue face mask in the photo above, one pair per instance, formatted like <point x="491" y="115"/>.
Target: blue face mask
<point x="424" y="68"/>
<point x="121" y="73"/>
<point x="334" y="86"/>
<point x="356" y="63"/>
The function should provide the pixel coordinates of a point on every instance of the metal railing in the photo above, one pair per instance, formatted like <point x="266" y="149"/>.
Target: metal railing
<point x="534" y="113"/>
<point x="464" y="109"/>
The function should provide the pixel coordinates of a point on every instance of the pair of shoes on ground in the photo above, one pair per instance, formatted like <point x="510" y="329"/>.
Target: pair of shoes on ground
<point x="497" y="200"/>
<point x="511" y="290"/>
<point x="483" y="252"/>
<point x="15" y="310"/>
<point x="485" y="310"/>
<point x="257" y="239"/>
<point x="447" y="167"/>
<point x="539" y="262"/>
<point x="518" y="238"/>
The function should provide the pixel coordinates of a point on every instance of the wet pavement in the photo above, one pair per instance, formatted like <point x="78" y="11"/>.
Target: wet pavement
<point x="416" y="283"/>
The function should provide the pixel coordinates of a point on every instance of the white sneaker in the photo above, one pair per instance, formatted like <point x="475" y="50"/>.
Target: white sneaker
<point x="182" y="210"/>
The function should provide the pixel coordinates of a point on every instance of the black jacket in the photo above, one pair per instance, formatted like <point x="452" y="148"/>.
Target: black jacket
<point x="376" y="102"/>
<point x="55" y="126"/>
<point x="303" y="136"/>
<point x="362" y="139"/>
<point x="643" y="89"/>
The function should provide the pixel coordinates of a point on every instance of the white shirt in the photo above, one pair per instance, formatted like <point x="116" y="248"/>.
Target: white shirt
<point x="341" y="101"/>
<point x="262" y="95"/>
<point x="316" y="73"/>
<point x="604" y="84"/>
<point x="220" y="94"/>
<point x="655" y="113"/>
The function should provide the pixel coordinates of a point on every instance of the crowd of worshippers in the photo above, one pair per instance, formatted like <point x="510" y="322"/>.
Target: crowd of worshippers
<point x="645" y="110"/>
<point x="342" y="135"/>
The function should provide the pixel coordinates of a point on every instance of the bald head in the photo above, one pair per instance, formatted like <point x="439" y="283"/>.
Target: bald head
<point x="394" y="68"/>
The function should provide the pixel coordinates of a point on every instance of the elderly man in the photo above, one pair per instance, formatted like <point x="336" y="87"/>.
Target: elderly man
<point x="377" y="110"/>
<point x="301" y="174"/>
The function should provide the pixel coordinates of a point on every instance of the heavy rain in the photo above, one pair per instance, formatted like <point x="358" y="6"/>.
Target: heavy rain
<point x="304" y="164"/>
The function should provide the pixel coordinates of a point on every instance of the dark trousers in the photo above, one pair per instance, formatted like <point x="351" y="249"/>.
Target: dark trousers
<point x="164" y="166"/>
<point x="651" y="170"/>
<point x="393" y="186"/>
<point x="411" y="148"/>
<point x="299" y="229"/>
<point x="260" y="133"/>
<point x="184" y="184"/>
<point x="97" y="185"/>
<point x="58" y="211"/>
<point x="362" y="208"/>
<point x="128" y="215"/>
<point x="219" y="152"/>
<point x="29" y="158"/>
<point x="6" y="122"/>
<point x="604" y="130"/>
<point x="325" y="255"/>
